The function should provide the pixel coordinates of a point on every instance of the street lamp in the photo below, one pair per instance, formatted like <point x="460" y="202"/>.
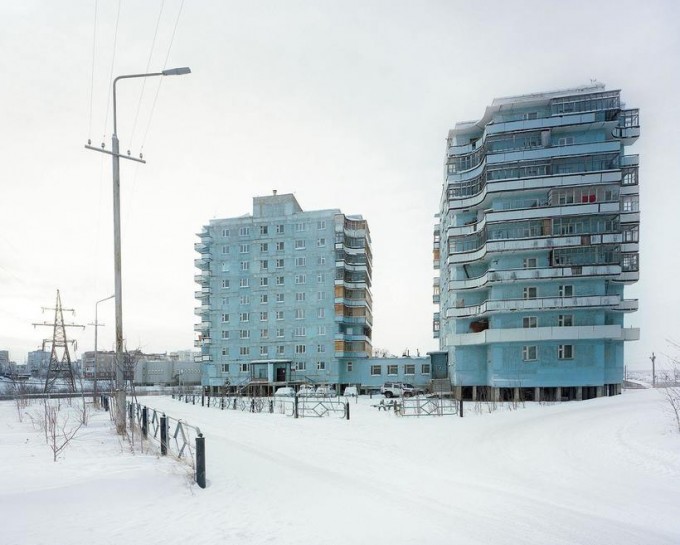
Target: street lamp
<point x="115" y="154"/>
<point x="96" y="325"/>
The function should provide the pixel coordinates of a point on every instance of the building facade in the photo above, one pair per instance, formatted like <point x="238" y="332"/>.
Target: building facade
<point x="537" y="238"/>
<point x="284" y="295"/>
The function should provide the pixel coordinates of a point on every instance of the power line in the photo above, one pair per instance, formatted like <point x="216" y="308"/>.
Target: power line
<point x="94" y="45"/>
<point x="113" y="59"/>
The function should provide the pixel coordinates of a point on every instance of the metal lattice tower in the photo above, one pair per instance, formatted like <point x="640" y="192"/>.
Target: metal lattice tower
<point x="60" y="359"/>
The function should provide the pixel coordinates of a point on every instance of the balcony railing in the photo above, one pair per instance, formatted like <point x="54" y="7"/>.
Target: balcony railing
<point x="544" y="303"/>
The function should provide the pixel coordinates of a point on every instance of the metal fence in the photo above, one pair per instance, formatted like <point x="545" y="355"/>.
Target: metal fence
<point x="428" y="406"/>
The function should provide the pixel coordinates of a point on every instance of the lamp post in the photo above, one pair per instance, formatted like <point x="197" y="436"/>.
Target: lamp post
<point x="115" y="154"/>
<point x="96" y="325"/>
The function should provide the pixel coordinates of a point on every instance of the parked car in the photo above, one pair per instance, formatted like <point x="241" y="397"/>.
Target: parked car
<point x="351" y="391"/>
<point x="306" y="391"/>
<point x="397" y="389"/>
<point x="286" y="391"/>
<point x="325" y="391"/>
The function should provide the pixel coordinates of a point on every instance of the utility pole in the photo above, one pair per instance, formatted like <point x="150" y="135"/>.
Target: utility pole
<point x="117" y="266"/>
<point x="653" y="358"/>
<point x="96" y="324"/>
<point x="59" y="367"/>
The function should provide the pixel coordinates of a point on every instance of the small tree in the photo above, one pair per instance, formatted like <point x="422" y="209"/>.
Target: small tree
<point x="59" y="433"/>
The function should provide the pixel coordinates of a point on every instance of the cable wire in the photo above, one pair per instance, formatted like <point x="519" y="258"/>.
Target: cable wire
<point x="94" y="48"/>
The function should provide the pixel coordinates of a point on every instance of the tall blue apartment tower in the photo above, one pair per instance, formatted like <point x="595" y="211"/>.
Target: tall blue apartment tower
<point x="537" y="239"/>
<point x="285" y="296"/>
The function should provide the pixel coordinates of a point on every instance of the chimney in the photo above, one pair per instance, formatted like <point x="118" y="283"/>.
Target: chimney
<point x="274" y="191"/>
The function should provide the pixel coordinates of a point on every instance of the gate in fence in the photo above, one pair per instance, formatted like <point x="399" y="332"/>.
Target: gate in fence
<point x="428" y="406"/>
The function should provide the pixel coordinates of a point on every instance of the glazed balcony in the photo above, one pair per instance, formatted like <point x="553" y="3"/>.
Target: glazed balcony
<point x="202" y="327"/>
<point x="628" y="127"/>
<point x="613" y="302"/>
<point x="538" y="334"/>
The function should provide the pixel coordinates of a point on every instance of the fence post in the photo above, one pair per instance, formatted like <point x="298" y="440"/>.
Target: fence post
<point x="203" y="399"/>
<point x="145" y="423"/>
<point x="461" y="407"/>
<point x="164" y="435"/>
<point x="131" y="413"/>
<point x="200" y="460"/>
<point x="252" y="405"/>
<point x="222" y="403"/>
<point x="271" y="405"/>
<point x="295" y="407"/>
<point x="193" y="400"/>
<point x="347" y="410"/>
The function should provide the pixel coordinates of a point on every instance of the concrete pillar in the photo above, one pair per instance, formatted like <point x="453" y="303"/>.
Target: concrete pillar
<point x="537" y="394"/>
<point x="474" y="393"/>
<point x="579" y="393"/>
<point x="458" y="392"/>
<point x="496" y="394"/>
<point x="599" y="391"/>
<point x="516" y="394"/>
<point x="558" y="393"/>
<point x="618" y="389"/>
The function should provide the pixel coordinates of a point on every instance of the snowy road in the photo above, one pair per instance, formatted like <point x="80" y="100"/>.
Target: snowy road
<point x="600" y="472"/>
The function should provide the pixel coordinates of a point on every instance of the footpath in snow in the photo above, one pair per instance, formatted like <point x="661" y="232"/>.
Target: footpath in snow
<point x="603" y="471"/>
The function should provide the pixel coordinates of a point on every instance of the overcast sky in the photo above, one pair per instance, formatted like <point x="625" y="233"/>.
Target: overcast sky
<point x="346" y="104"/>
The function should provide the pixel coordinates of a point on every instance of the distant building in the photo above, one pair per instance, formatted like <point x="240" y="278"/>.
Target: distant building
<point x="537" y="238"/>
<point x="284" y="295"/>
<point x="4" y="361"/>
<point x="38" y="361"/>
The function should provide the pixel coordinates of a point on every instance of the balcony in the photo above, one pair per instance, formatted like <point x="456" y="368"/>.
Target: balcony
<point x="201" y="327"/>
<point x="202" y="263"/>
<point x="544" y="303"/>
<point x="202" y="247"/>
<point x="203" y="293"/>
<point x="202" y="311"/>
<point x="538" y="334"/>
<point x="628" y="128"/>
<point x="203" y="278"/>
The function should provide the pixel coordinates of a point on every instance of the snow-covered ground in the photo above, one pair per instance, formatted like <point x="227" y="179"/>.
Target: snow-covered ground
<point x="603" y="471"/>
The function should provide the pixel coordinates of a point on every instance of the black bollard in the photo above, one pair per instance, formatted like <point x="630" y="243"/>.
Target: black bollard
<point x="164" y="435"/>
<point x="252" y="405"/>
<point x="203" y="400"/>
<point x="145" y="423"/>
<point x="271" y="405"/>
<point x="347" y="410"/>
<point x="461" y="408"/>
<point x="222" y="404"/>
<point x="295" y="407"/>
<point x="200" y="461"/>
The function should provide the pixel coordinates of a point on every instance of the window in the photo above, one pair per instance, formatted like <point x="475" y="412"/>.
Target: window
<point x="264" y="229"/>
<point x="279" y="280"/>
<point x="225" y="232"/>
<point x="530" y="321"/>
<point x="321" y="277"/>
<point x="225" y="334"/>
<point x="264" y="351"/>
<point x="300" y="331"/>
<point x="530" y="263"/>
<point x="280" y="350"/>
<point x="300" y="349"/>
<point x="299" y="313"/>
<point x="321" y="313"/>
<point x="409" y="369"/>
<point x="225" y="351"/>
<point x="280" y="297"/>
<point x="264" y="247"/>
<point x="321" y="243"/>
<point x="529" y="353"/>
<point x="301" y="261"/>
<point x="244" y="334"/>
<point x="300" y="227"/>
<point x="320" y="365"/>
<point x="244" y="366"/>
<point x="245" y="265"/>
<point x="321" y="295"/>
<point x="244" y="283"/>
<point x="530" y="293"/>
<point x="629" y="262"/>
<point x="321" y="260"/>
<point x="301" y="366"/>
<point x="630" y="203"/>
<point x="321" y="330"/>
<point x="320" y="348"/>
<point x="225" y="318"/>
<point x="392" y="369"/>
<point x="264" y="264"/>
<point x="264" y="298"/>
<point x="300" y="244"/>
<point x="375" y="370"/>
<point x="244" y="248"/>
<point x="279" y="315"/>
<point x="565" y="352"/>
<point x="300" y="296"/>
<point x="565" y="141"/>
<point x="264" y="282"/>
<point x="350" y="365"/>
<point x="566" y="291"/>
<point x="565" y="320"/>
<point x="264" y="316"/>
<point x="225" y="301"/>
<point x="279" y="263"/>
<point x="300" y="278"/>
<point x="280" y="246"/>
<point x="225" y="267"/>
<point x="280" y="229"/>
<point x="244" y="231"/>
<point x="225" y="283"/>
<point x="244" y="351"/>
<point x="225" y="249"/>
<point x="264" y="333"/>
<point x="279" y="333"/>
<point x="321" y="224"/>
<point x="245" y="299"/>
<point x="425" y="369"/>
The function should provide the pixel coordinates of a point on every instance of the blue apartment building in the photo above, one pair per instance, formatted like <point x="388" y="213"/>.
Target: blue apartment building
<point x="284" y="297"/>
<point x="537" y="238"/>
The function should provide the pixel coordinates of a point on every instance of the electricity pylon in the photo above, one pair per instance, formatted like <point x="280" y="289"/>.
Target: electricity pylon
<point x="60" y="359"/>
